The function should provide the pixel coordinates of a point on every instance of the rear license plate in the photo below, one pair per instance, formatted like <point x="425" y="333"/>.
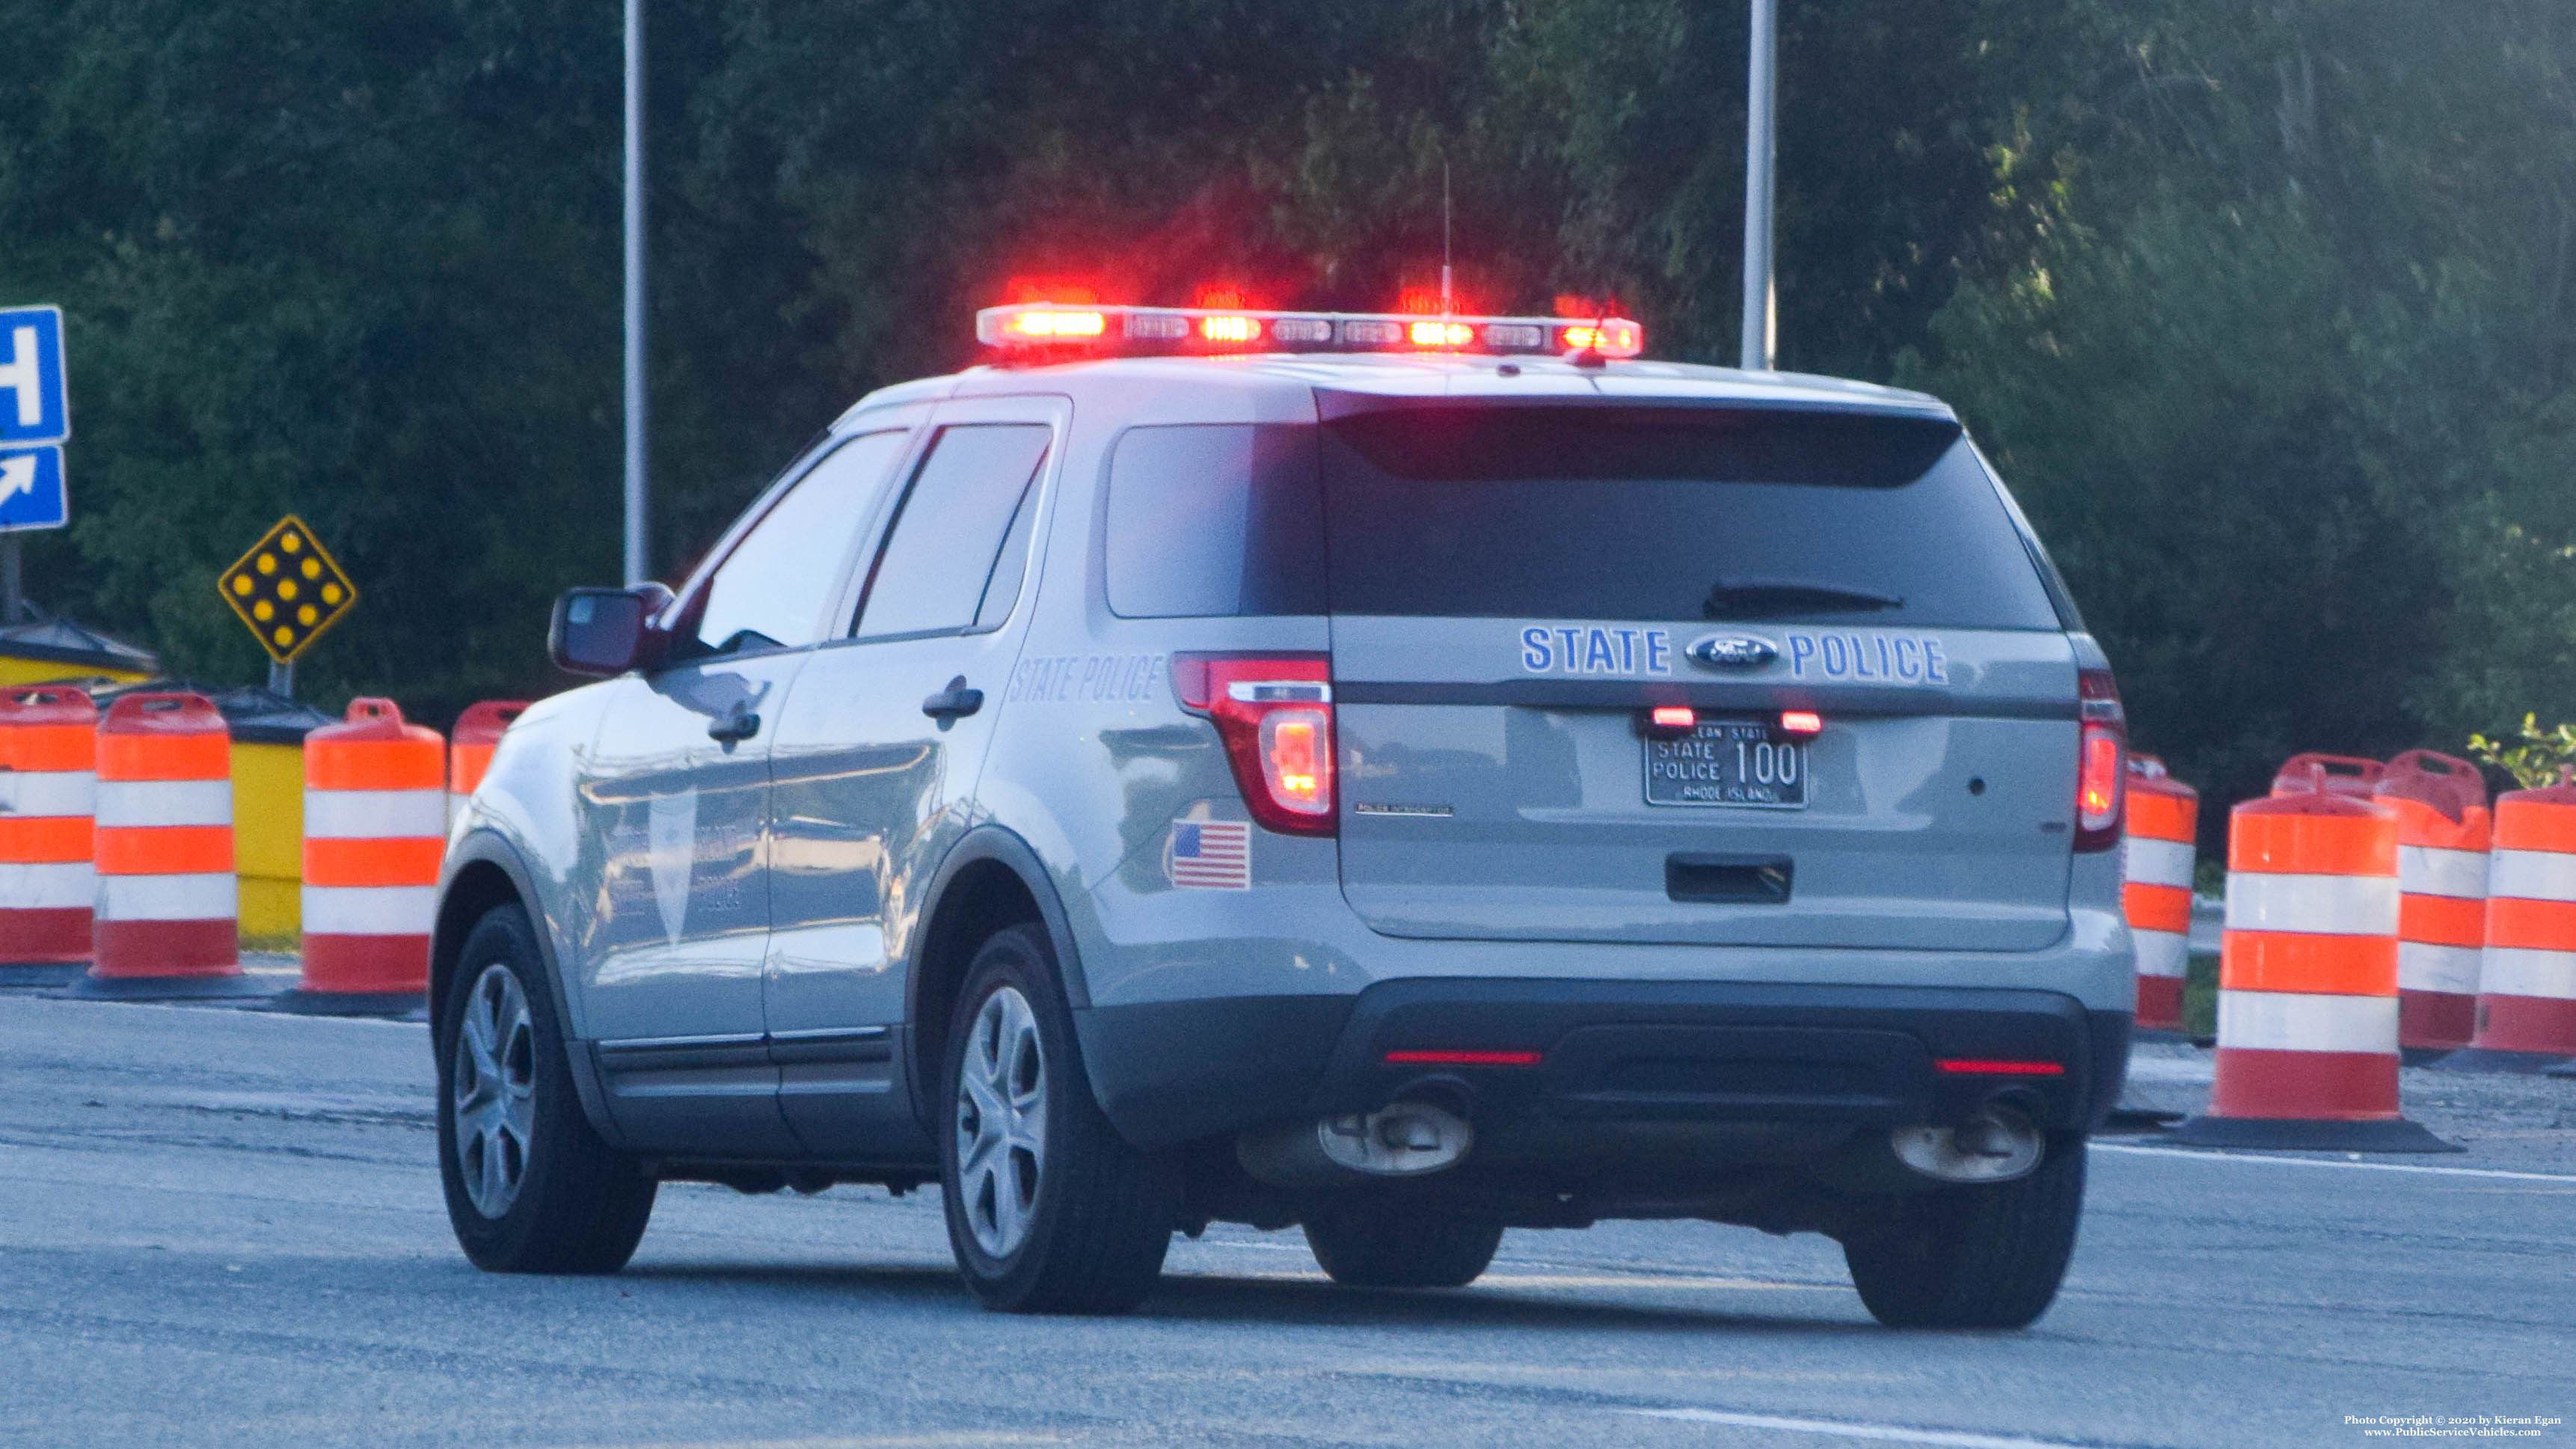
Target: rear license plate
<point x="1727" y="762"/>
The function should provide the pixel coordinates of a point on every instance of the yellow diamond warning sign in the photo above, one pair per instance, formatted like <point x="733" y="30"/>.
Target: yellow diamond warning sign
<point x="288" y="589"/>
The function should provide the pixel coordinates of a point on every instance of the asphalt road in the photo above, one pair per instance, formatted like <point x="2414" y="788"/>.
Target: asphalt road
<point x="219" y="1227"/>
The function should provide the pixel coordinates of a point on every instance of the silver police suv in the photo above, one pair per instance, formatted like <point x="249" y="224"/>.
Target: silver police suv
<point x="1400" y="778"/>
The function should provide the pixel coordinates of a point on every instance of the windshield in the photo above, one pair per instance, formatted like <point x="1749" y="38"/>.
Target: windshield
<point x="1670" y="513"/>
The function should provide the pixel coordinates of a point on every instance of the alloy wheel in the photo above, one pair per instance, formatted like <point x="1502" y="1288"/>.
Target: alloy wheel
<point x="494" y="1093"/>
<point x="1001" y="1122"/>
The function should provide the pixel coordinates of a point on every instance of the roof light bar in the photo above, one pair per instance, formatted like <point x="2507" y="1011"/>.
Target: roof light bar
<point x="1055" y="328"/>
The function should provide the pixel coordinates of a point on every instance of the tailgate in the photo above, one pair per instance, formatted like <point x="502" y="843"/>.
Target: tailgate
<point x="1507" y="804"/>
<point x="1514" y="588"/>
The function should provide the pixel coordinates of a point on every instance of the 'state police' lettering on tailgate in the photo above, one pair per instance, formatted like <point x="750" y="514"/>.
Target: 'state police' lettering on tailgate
<point x="1578" y="649"/>
<point x="1583" y="649"/>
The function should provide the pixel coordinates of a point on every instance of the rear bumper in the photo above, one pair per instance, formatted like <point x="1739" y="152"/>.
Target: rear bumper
<point x="1613" y="1052"/>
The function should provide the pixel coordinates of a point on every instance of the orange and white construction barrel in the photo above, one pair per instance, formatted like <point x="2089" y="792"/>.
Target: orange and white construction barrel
<point x="2307" y="979"/>
<point x="168" y="902"/>
<point x="2349" y="775"/>
<point x="2526" y="1014"/>
<point x="48" y="785"/>
<point x="375" y="824"/>
<point x="2156" y="860"/>
<point x="471" y="743"/>
<point x="2443" y="831"/>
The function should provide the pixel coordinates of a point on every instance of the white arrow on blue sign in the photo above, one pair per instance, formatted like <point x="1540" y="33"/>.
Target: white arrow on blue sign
<point x="34" y="409"/>
<point x="31" y="489"/>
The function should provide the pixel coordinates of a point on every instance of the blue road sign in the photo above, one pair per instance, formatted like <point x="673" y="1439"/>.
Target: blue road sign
<point x="33" y="408"/>
<point x="31" y="489"/>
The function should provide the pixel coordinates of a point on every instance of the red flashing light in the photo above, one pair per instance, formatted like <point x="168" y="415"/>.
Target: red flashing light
<point x="1674" y="717"/>
<point x="1053" y="326"/>
<point x="1984" y="1067"/>
<point x="1611" y="337"/>
<point x="1463" y="1059"/>
<point x="1230" y="329"/>
<point x="1440" y="334"/>
<point x="1801" y="722"/>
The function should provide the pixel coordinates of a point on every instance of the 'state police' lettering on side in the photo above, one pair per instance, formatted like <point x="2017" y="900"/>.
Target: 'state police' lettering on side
<point x="1059" y="678"/>
<point x="1600" y="649"/>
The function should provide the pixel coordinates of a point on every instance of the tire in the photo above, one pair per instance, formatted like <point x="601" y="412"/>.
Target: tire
<point x="1974" y="1257"/>
<point x="1382" y="1246"/>
<point x="531" y="1188"/>
<point x="1049" y="1209"/>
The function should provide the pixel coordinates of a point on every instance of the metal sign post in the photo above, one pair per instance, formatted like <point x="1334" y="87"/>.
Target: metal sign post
<point x="1760" y="104"/>
<point x="35" y="418"/>
<point x="639" y="562"/>
<point x="287" y="590"/>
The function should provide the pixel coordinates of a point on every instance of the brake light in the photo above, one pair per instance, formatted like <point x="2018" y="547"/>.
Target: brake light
<point x="1293" y="763"/>
<point x="2100" y="791"/>
<point x="1463" y="1059"/>
<point x="1986" y="1067"/>
<point x="1275" y="714"/>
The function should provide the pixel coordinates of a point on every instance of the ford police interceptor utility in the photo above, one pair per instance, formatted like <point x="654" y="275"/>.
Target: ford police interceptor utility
<point x="1399" y="777"/>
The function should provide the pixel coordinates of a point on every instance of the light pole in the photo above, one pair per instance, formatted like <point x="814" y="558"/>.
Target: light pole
<point x="1761" y="84"/>
<point x="639" y="564"/>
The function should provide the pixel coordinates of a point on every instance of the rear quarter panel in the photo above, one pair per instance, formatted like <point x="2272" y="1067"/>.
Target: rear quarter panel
<point x="1093" y="759"/>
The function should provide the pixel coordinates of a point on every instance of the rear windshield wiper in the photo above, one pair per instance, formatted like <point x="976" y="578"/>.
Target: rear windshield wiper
<point x="1756" y="597"/>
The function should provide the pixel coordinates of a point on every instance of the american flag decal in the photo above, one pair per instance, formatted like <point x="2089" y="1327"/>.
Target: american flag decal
<point x="1210" y="855"/>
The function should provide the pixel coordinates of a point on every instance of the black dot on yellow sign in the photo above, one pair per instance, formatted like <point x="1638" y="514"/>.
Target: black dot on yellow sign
<point x="288" y="589"/>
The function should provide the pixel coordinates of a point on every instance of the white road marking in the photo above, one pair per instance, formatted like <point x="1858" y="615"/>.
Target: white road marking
<point x="2203" y="1156"/>
<point x="893" y="1441"/>
<point x="1883" y="1433"/>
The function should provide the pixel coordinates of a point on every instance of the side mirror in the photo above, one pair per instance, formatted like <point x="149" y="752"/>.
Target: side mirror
<point x="606" y="631"/>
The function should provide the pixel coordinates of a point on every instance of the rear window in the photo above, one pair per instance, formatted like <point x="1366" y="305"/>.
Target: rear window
<point x="1670" y="513"/>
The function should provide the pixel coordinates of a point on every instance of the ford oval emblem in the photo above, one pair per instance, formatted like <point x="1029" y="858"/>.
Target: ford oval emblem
<point x="1732" y="651"/>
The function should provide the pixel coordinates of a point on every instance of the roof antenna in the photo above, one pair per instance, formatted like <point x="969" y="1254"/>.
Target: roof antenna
<point x="1445" y="308"/>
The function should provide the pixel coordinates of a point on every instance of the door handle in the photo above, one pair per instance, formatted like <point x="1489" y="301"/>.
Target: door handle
<point x="736" y="727"/>
<point x="953" y="703"/>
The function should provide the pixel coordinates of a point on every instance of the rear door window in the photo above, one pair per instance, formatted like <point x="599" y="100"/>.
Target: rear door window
<point x="1670" y="513"/>
<point x="943" y="564"/>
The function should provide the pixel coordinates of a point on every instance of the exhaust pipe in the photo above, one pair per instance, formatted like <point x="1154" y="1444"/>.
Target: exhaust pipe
<point x="1997" y="1143"/>
<point x="1404" y="1139"/>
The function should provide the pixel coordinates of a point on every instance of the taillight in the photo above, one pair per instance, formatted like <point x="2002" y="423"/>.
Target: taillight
<point x="2099" y="792"/>
<point x="1275" y="714"/>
